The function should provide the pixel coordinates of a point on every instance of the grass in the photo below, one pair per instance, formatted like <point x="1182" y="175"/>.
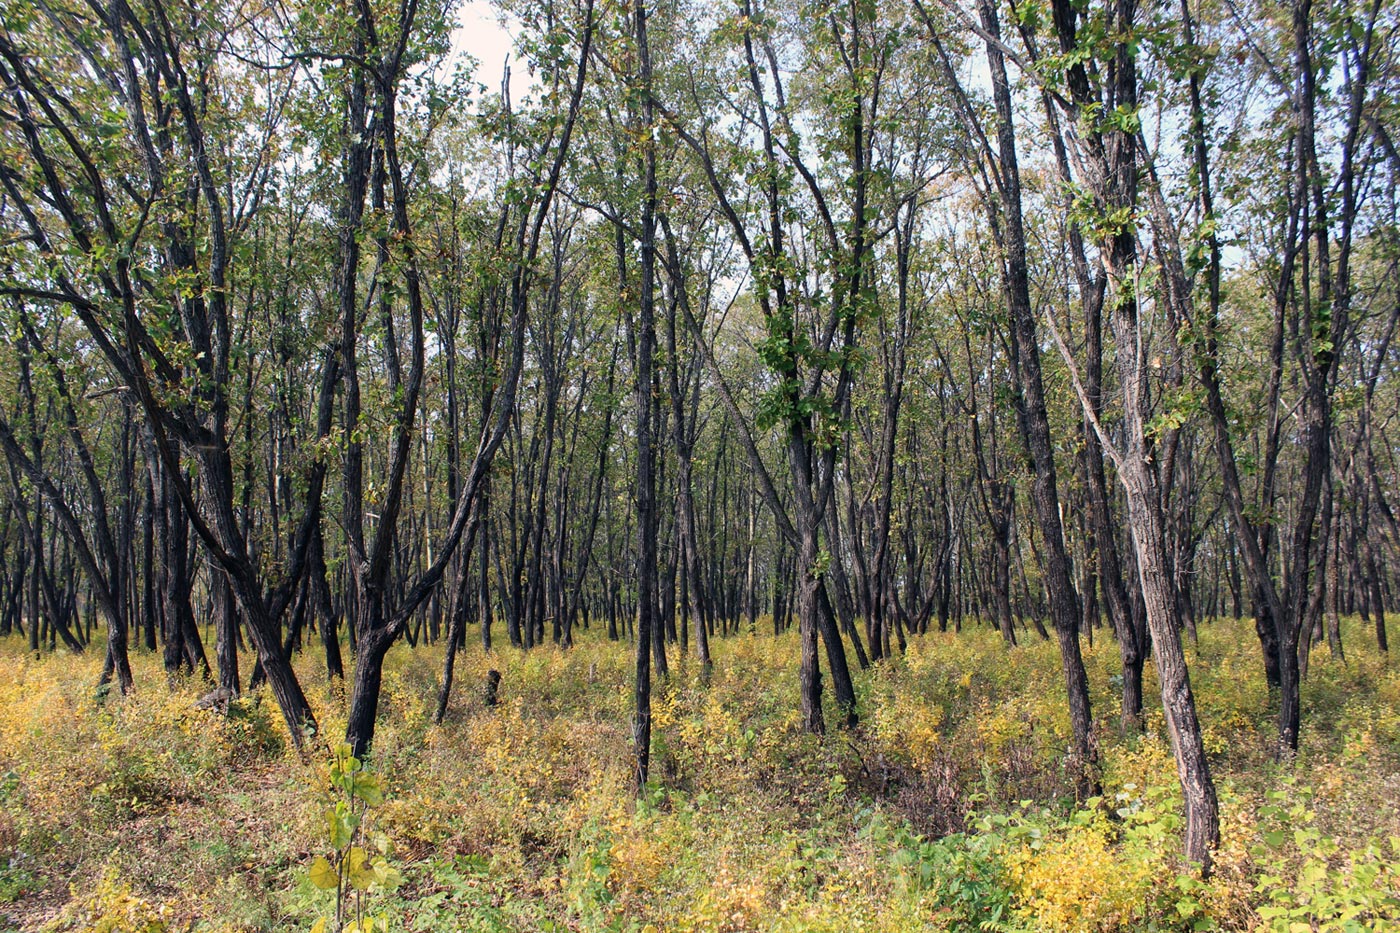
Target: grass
<point x="947" y="809"/>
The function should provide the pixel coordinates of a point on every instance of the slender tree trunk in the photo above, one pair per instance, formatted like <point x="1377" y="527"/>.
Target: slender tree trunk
<point x="644" y="373"/>
<point x="1035" y="424"/>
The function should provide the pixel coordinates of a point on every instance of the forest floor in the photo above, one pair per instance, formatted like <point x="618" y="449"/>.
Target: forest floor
<point x="947" y="808"/>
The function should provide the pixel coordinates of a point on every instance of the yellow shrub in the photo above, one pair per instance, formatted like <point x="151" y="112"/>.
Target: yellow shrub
<point x="112" y="908"/>
<point x="909" y="729"/>
<point x="999" y="726"/>
<point x="728" y="904"/>
<point x="638" y="860"/>
<point x="1146" y="763"/>
<point x="1078" y="882"/>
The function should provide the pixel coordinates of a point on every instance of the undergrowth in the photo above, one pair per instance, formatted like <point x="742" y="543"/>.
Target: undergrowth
<point x="947" y="809"/>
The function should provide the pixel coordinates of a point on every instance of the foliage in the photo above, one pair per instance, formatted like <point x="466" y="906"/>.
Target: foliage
<point x="358" y="865"/>
<point x="1308" y="880"/>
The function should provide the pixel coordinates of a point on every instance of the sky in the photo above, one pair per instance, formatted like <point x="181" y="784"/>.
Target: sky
<point x="481" y="34"/>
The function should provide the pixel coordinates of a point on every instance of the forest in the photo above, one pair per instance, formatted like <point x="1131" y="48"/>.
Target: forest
<point x="763" y="465"/>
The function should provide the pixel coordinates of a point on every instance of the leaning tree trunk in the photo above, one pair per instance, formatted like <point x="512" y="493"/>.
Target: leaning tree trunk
<point x="1178" y="703"/>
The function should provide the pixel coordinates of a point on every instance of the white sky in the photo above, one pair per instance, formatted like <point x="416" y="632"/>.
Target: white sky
<point x="481" y="33"/>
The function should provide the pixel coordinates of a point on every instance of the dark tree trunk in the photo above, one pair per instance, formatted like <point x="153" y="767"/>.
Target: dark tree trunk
<point x="644" y="341"/>
<point x="1034" y="420"/>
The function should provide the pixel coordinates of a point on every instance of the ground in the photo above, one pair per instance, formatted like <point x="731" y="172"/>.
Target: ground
<point x="947" y="808"/>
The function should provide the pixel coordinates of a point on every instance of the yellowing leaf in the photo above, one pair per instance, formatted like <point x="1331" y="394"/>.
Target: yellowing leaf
<point x="386" y="875"/>
<point x="323" y="875"/>
<point x="366" y="787"/>
<point x="358" y="870"/>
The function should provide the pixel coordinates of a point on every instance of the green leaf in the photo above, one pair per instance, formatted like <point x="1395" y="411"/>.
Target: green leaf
<point x="340" y="826"/>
